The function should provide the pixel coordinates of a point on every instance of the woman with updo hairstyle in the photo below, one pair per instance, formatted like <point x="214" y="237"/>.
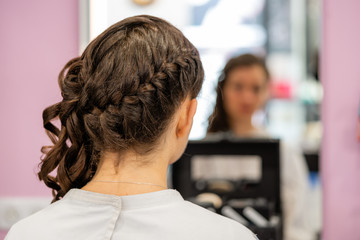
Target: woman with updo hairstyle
<point x="126" y="112"/>
<point x="243" y="88"/>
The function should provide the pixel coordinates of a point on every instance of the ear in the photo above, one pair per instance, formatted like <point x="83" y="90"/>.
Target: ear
<point x="186" y="116"/>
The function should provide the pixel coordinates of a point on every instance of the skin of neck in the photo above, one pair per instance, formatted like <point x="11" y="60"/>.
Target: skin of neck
<point x="241" y="126"/>
<point x="130" y="166"/>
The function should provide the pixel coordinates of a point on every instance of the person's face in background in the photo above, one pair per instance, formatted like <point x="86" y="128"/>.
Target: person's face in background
<point x="245" y="91"/>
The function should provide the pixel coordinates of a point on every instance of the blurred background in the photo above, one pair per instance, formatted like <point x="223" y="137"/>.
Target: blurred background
<point x="318" y="114"/>
<point x="286" y="33"/>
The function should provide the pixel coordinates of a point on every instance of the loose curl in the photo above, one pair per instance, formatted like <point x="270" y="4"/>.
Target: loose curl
<point x="121" y="93"/>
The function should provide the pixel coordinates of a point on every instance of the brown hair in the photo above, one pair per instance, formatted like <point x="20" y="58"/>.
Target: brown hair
<point x="218" y="119"/>
<point x="120" y="93"/>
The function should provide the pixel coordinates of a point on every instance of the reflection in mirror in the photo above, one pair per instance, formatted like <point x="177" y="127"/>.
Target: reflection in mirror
<point x="283" y="32"/>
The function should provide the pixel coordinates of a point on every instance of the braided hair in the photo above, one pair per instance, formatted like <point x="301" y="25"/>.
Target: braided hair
<point x="121" y="93"/>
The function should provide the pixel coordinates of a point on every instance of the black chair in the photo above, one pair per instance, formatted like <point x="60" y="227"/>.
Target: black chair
<point x="267" y="188"/>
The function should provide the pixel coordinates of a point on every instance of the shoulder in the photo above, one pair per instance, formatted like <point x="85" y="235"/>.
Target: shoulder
<point x="34" y="224"/>
<point x="214" y="224"/>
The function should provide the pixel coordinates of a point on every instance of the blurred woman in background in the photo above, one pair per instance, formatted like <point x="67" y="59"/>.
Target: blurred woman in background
<point x="243" y="89"/>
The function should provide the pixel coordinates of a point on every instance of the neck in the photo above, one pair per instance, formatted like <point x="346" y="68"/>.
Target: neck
<point x="129" y="174"/>
<point x="242" y="127"/>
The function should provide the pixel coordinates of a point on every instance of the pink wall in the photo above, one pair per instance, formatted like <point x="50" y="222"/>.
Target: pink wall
<point x="340" y="74"/>
<point x="37" y="38"/>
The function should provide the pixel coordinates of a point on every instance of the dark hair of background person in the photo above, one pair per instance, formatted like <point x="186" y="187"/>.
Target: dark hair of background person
<point x="120" y="94"/>
<point x="218" y="120"/>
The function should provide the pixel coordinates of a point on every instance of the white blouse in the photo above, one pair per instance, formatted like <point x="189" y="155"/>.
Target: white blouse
<point x="157" y="215"/>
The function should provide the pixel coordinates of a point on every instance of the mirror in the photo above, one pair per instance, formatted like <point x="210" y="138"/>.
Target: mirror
<point x="285" y="32"/>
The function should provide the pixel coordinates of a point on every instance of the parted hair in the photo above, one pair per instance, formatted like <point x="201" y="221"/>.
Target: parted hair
<point x="120" y="94"/>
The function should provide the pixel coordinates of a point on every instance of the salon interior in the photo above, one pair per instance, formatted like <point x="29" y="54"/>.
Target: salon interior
<point x="287" y="163"/>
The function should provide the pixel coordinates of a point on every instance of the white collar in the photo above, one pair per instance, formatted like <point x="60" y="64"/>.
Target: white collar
<point x="130" y="202"/>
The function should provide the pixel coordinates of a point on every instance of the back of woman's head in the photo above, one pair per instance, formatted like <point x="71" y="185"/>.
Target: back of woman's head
<point x="120" y="94"/>
<point x="218" y="120"/>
